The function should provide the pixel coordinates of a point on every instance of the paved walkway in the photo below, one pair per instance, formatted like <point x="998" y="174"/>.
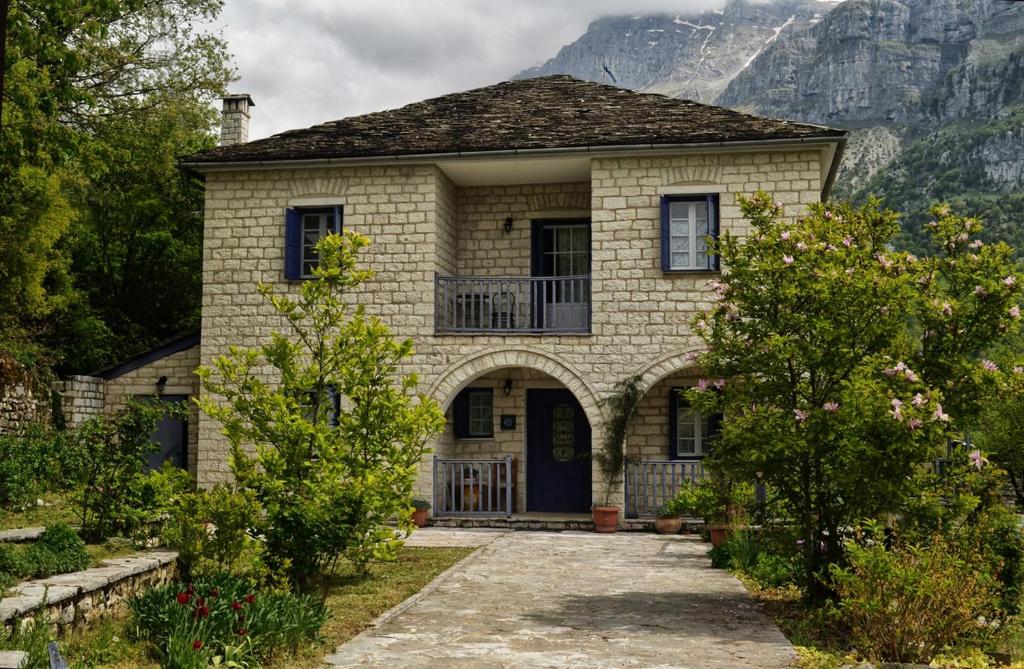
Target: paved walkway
<point x="580" y="600"/>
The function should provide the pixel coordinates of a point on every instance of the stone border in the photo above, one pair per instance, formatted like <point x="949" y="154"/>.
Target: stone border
<point x="20" y="535"/>
<point x="83" y="596"/>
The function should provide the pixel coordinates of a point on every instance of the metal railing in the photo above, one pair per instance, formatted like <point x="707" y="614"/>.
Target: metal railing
<point x="466" y="487"/>
<point x="651" y="483"/>
<point x="512" y="305"/>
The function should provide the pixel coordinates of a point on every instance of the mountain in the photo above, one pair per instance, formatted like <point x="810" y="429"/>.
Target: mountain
<point x="690" y="56"/>
<point x="932" y="91"/>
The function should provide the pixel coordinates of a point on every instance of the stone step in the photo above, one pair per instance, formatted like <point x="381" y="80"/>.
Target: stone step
<point x="13" y="659"/>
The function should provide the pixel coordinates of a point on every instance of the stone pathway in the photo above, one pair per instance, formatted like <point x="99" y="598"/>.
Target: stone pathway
<point x="573" y="599"/>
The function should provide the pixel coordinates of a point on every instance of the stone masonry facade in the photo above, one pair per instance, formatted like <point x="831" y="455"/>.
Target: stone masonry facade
<point x="423" y="224"/>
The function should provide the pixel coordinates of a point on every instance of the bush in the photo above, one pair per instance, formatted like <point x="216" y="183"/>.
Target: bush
<point x="58" y="550"/>
<point x="223" y="615"/>
<point x="212" y="531"/>
<point x="907" y="603"/>
<point x="113" y="493"/>
<point x="32" y="462"/>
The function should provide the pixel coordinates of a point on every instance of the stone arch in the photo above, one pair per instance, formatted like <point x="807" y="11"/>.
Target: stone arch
<point x="665" y="365"/>
<point x="462" y="373"/>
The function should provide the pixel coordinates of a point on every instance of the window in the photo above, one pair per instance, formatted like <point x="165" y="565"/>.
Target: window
<point x="686" y="223"/>
<point x="691" y="434"/>
<point x="473" y="414"/>
<point x="331" y="402"/>
<point x="304" y="227"/>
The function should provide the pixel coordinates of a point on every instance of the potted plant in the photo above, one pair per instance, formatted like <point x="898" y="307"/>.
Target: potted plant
<point x="723" y="504"/>
<point x="419" y="512"/>
<point x="611" y="459"/>
<point x="668" y="518"/>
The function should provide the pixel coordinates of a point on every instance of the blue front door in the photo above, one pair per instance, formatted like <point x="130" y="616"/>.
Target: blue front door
<point x="557" y="453"/>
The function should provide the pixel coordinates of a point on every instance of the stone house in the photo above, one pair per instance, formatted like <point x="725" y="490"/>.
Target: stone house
<point x="539" y="240"/>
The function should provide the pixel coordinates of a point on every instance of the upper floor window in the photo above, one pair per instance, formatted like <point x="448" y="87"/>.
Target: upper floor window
<point x="473" y="413"/>
<point x="304" y="227"/>
<point x="691" y="433"/>
<point x="687" y="221"/>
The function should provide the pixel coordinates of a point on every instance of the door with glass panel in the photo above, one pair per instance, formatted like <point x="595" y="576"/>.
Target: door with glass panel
<point x="561" y="254"/>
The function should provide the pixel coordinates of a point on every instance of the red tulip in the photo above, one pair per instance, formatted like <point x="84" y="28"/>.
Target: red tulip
<point x="236" y="606"/>
<point x="242" y="632"/>
<point x="250" y="599"/>
<point x="202" y="612"/>
<point x="197" y="644"/>
<point x="183" y="598"/>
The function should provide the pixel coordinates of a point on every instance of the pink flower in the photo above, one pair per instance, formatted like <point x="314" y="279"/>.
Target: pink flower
<point x="801" y="416"/>
<point x="884" y="261"/>
<point x="1015" y="311"/>
<point x="977" y="459"/>
<point x="918" y="400"/>
<point x="909" y="375"/>
<point x="787" y="259"/>
<point x="831" y="407"/>
<point x="911" y="258"/>
<point x="830" y="247"/>
<point x="828" y="215"/>
<point x="989" y="366"/>
<point x="1010" y="280"/>
<point x="978" y="290"/>
<point x="939" y="415"/>
<point x="947" y="309"/>
<point x="977" y="244"/>
<point x="1018" y="370"/>
<point x="800" y="246"/>
<point x="702" y="325"/>
<point x="914" y="423"/>
<point x="849" y="271"/>
<point x="847" y="241"/>
<point x="702" y="384"/>
<point x="690" y="356"/>
<point x="778" y="204"/>
<point x="897" y="409"/>
<point x="719" y="383"/>
<point x="784" y="236"/>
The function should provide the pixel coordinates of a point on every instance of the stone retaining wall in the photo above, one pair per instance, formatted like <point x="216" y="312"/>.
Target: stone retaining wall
<point x="70" y="600"/>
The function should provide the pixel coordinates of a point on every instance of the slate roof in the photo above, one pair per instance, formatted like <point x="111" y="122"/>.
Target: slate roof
<point x="555" y="112"/>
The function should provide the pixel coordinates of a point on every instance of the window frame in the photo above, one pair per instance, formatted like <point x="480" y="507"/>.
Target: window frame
<point x="714" y="231"/>
<point x="295" y="236"/>
<point x="462" y="418"/>
<point x="707" y="428"/>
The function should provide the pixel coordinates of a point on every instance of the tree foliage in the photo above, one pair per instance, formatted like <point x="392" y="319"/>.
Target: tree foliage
<point x="98" y="98"/>
<point x="330" y="443"/>
<point x="844" y="366"/>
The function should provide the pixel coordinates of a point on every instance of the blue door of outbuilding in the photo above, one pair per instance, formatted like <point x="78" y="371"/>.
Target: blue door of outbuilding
<point x="557" y="452"/>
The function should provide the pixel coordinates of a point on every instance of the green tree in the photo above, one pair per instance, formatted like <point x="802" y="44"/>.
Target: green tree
<point x="83" y="81"/>
<point x="331" y="443"/>
<point x="843" y="365"/>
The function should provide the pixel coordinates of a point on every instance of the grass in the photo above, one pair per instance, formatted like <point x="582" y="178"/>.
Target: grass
<point x="111" y="548"/>
<point x="57" y="508"/>
<point x="353" y="602"/>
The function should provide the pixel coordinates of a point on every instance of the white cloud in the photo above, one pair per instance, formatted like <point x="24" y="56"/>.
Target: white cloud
<point x="310" y="61"/>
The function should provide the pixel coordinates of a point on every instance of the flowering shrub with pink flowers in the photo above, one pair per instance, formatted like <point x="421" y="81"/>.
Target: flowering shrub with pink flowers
<point x="843" y="366"/>
<point x="191" y="625"/>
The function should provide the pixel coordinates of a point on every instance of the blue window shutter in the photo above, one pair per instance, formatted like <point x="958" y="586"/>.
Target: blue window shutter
<point x="714" y="263"/>
<point x="673" y="423"/>
<point x="665" y="250"/>
<point x="292" y="244"/>
<point x="337" y="220"/>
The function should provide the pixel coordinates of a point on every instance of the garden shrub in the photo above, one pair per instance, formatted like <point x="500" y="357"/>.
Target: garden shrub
<point x="32" y="461"/>
<point x="223" y="614"/>
<point x="112" y="490"/>
<point x="330" y="451"/>
<point x="907" y="603"/>
<point x="212" y="531"/>
<point x="58" y="550"/>
<point x="751" y="554"/>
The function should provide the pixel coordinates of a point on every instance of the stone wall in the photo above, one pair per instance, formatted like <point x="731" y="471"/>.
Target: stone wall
<point x="71" y="600"/>
<point x="180" y="370"/>
<point x="19" y="406"/>
<point x="82" y="397"/>
<point x="642" y="316"/>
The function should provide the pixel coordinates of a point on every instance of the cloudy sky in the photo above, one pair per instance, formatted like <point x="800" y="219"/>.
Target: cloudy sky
<point x="309" y="61"/>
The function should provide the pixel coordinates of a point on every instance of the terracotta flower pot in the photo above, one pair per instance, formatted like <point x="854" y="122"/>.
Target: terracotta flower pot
<point x="419" y="517"/>
<point x="606" y="519"/>
<point x="669" y="525"/>
<point x="720" y="533"/>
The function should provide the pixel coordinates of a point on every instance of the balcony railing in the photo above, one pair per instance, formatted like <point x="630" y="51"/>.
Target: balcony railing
<point x="512" y="305"/>
<point x="651" y="483"/>
<point x="474" y="487"/>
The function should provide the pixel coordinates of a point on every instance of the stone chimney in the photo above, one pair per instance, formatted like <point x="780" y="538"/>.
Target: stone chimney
<point x="234" y="124"/>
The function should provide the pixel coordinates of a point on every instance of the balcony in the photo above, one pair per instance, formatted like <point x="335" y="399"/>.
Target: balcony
<point x="512" y="305"/>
